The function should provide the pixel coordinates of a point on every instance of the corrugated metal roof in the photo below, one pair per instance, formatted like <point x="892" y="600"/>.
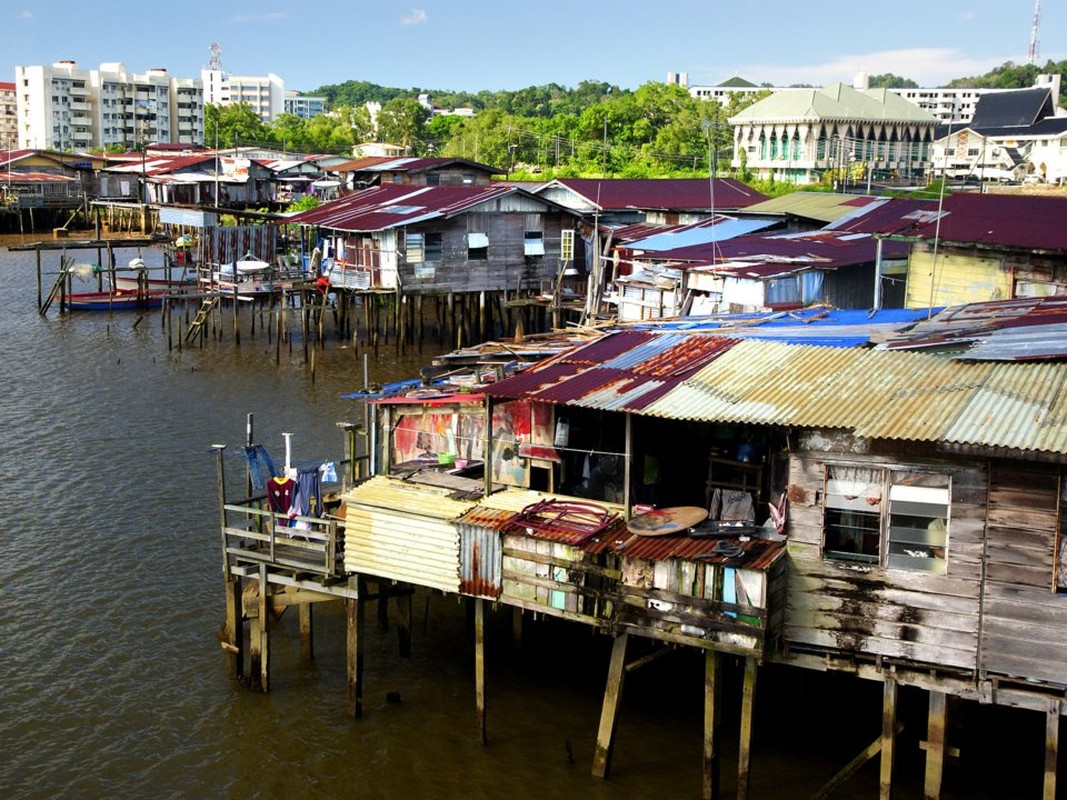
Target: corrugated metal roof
<point x="397" y="205"/>
<point x="786" y="252"/>
<point x="1022" y="221"/>
<point x="626" y="379"/>
<point x="755" y="382"/>
<point x="819" y="206"/>
<point x="623" y="194"/>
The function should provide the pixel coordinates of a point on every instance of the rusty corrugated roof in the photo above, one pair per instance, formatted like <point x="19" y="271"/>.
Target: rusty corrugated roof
<point x="632" y="369"/>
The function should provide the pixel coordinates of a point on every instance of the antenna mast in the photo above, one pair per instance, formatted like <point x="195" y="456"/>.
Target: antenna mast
<point x="1031" y="56"/>
<point x="216" y="56"/>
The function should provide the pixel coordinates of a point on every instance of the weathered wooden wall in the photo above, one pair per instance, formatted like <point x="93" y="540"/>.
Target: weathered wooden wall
<point x="505" y="268"/>
<point x="866" y="609"/>
<point x="1024" y="624"/>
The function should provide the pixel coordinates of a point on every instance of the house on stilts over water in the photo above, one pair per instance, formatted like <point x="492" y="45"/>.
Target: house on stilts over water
<point x="888" y="510"/>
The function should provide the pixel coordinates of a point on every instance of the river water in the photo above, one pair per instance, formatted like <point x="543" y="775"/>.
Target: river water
<point x="112" y="682"/>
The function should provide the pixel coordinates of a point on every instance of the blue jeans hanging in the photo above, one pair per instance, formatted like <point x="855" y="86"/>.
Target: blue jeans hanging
<point x="260" y="467"/>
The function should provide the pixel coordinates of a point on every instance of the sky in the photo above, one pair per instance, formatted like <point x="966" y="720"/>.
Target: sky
<point x="470" y="45"/>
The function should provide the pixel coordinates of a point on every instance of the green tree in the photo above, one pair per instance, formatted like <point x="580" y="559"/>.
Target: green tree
<point x="402" y="121"/>
<point x="890" y="81"/>
<point x="233" y="125"/>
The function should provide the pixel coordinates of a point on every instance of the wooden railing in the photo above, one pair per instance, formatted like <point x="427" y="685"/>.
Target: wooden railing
<point x="307" y="544"/>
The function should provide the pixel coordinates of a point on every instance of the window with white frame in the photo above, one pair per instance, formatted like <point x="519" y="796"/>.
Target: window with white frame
<point x="896" y="518"/>
<point x="566" y="246"/>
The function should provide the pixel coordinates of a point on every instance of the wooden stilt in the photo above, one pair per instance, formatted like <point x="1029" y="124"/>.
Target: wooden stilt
<point x="744" y="757"/>
<point x="935" y="745"/>
<point x="383" y="605"/>
<point x="479" y="666"/>
<point x="264" y="630"/>
<point x="889" y="721"/>
<point x="233" y="640"/>
<point x="403" y="623"/>
<point x="609" y="712"/>
<point x="307" y="631"/>
<point x="516" y="629"/>
<point x="354" y="648"/>
<point x="869" y="752"/>
<point x="712" y="717"/>
<point x="1052" y="747"/>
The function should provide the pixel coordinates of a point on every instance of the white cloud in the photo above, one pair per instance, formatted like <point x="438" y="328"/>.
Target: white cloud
<point x="26" y="15"/>
<point x="927" y="66"/>
<point x="416" y="17"/>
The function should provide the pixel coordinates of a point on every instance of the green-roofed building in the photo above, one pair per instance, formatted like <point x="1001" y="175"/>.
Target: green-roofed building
<point x="799" y="134"/>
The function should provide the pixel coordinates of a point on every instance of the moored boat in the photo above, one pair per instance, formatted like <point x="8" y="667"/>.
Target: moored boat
<point x="115" y="301"/>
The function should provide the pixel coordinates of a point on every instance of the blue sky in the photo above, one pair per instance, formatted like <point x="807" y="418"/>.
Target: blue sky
<point x="497" y="44"/>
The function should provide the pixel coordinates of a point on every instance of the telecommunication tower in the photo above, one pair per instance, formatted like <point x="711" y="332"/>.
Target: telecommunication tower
<point x="1031" y="56"/>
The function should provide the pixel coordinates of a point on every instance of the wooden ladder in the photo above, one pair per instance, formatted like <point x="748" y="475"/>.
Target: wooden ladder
<point x="203" y="314"/>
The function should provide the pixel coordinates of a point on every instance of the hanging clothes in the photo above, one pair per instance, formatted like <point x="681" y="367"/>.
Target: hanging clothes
<point x="308" y="499"/>
<point x="280" y="495"/>
<point x="260" y="466"/>
<point x="328" y="472"/>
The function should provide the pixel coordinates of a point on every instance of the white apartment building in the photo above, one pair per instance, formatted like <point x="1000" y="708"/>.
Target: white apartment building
<point x="9" y="137"/>
<point x="264" y="94"/>
<point x="303" y="105"/>
<point x="64" y="107"/>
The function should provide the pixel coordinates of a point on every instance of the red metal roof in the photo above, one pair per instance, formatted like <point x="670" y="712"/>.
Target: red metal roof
<point x="1004" y="220"/>
<point x="625" y="371"/>
<point x="395" y="205"/>
<point x="622" y="194"/>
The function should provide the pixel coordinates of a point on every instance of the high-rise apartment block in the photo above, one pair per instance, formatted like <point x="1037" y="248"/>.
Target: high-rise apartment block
<point x="64" y="107"/>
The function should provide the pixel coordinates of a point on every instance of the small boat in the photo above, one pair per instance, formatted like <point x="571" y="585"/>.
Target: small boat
<point x="248" y="277"/>
<point x="114" y="301"/>
<point x="127" y="283"/>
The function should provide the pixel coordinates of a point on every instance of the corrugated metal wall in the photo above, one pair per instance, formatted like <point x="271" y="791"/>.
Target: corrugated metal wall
<point x="403" y="532"/>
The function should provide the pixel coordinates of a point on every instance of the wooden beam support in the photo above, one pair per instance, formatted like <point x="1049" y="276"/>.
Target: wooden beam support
<point x="479" y="666"/>
<point x="609" y="713"/>
<point x="354" y="649"/>
<point x="232" y="638"/>
<point x="264" y="630"/>
<point x="712" y="720"/>
<point x="744" y="758"/>
<point x="307" y="632"/>
<point x="1052" y="747"/>
<point x="869" y="752"/>
<point x="403" y="623"/>
<point x="889" y="727"/>
<point x="935" y="745"/>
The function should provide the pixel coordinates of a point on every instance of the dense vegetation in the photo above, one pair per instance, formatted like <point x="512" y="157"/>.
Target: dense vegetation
<point x="542" y="131"/>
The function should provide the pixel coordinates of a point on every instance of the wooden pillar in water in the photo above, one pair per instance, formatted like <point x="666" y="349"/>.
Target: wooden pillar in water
<point x="259" y="652"/>
<point x="479" y="666"/>
<point x="744" y="757"/>
<point x="1052" y="747"/>
<point x="516" y="629"/>
<point x="609" y="712"/>
<point x="935" y="745"/>
<point x="231" y="633"/>
<point x="712" y="718"/>
<point x="889" y="735"/>
<point x="307" y="631"/>
<point x="403" y="621"/>
<point x="354" y="647"/>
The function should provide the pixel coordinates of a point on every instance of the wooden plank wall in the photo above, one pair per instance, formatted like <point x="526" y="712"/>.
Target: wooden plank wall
<point x="506" y="268"/>
<point x="866" y="609"/>
<point x="1024" y="627"/>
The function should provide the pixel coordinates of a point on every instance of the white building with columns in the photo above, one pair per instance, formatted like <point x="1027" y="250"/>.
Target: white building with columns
<point x="800" y="134"/>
